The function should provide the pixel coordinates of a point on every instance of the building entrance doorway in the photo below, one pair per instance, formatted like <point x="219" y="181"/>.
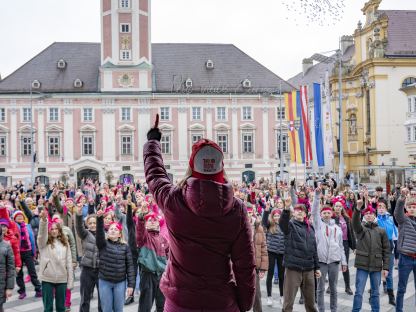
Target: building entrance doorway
<point x="87" y="174"/>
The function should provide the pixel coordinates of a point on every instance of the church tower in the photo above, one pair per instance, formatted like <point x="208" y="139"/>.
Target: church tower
<point x="126" y="55"/>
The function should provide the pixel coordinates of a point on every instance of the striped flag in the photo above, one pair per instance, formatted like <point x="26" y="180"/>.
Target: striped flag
<point x="305" y="122"/>
<point x="295" y="143"/>
<point x="318" y="125"/>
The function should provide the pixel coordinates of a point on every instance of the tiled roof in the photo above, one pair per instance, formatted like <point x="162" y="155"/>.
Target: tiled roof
<point x="401" y="40"/>
<point x="173" y="64"/>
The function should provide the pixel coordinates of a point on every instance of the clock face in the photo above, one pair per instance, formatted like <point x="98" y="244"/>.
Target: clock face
<point x="126" y="80"/>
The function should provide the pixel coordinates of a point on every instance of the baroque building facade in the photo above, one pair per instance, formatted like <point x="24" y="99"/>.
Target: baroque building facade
<point x="83" y="109"/>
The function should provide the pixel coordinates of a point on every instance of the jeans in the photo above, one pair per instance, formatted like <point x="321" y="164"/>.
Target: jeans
<point x="112" y="295"/>
<point x="406" y="266"/>
<point x="360" y="281"/>
<point x="48" y="290"/>
<point x="332" y="270"/>
<point x="389" y="278"/>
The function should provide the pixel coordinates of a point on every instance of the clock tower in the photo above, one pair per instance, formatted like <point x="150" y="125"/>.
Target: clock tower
<point x="126" y="56"/>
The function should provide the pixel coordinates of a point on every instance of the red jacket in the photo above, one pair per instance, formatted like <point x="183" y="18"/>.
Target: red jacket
<point x="13" y="238"/>
<point x="211" y="263"/>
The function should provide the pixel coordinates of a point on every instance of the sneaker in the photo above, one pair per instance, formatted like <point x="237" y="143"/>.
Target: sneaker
<point x="281" y="300"/>
<point x="276" y="281"/>
<point x="301" y="301"/>
<point x="269" y="301"/>
<point x="328" y="290"/>
<point x="38" y="294"/>
<point x="349" y="291"/>
<point x="67" y="309"/>
<point x="22" y="296"/>
<point x="27" y="279"/>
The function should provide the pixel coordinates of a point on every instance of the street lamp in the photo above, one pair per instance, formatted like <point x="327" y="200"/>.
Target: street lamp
<point x="32" y="133"/>
<point x="331" y="59"/>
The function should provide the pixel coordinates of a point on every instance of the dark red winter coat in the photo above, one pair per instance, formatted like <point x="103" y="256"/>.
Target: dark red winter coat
<point x="211" y="262"/>
<point x="12" y="236"/>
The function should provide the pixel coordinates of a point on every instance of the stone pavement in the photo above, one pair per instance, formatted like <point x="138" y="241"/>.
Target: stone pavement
<point x="31" y="304"/>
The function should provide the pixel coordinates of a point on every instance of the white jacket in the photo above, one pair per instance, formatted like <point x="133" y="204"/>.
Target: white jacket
<point x="56" y="262"/>
<point x="328" y="237"/>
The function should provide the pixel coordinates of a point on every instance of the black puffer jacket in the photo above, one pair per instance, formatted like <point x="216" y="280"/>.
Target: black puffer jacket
<point x="115" y="260"/>
<point x="300" y="245"/>
<point x="7" y="270"/>
<point x="276" y="241"/>
<point x="89" y="246"/>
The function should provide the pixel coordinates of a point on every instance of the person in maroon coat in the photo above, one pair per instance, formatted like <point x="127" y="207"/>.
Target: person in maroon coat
<point x="211" y="263"/>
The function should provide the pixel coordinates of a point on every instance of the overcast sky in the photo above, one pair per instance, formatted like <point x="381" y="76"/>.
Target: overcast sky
<point x="275" y="35"/>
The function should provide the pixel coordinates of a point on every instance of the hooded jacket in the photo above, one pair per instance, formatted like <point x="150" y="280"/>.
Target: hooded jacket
<point x="373" y="248"/>
<point x="328" y="237"/>
<point x="12" y="236"/>
<point x="7" y="269"/>
<point x="212" y="265"/>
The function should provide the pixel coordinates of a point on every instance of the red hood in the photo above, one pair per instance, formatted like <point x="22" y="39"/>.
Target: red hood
<point x="208" y="198"/>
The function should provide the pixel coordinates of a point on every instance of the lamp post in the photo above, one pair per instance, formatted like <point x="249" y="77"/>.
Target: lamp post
<point x="328" y="60"/>
<point x="32" y="133"/>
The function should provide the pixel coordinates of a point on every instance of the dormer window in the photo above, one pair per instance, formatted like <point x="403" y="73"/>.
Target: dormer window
<point x="61" y="64"/>
<point x="188" y="83"/>
<point x="209" y="64"/>
<point x="246" y="84"/>
<point x="78" y="83"/>
<point x="35" y="84"/>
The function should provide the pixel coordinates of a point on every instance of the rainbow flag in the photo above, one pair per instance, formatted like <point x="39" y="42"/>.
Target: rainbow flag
<point x="293" y="107"/>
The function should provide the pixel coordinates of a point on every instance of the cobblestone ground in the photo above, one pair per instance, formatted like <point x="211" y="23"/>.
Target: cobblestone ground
<point x="31" y="304"/>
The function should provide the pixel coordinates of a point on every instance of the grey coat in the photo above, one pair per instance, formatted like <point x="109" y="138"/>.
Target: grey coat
<point x="407" y="230"/>
<point x="7" y="270"/>
<point x="89" y="246"/>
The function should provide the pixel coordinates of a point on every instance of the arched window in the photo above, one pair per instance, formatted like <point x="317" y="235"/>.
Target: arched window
<point x="408" y="81"/>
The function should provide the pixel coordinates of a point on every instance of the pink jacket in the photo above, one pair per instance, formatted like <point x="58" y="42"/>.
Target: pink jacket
<point x="211" y="263"/>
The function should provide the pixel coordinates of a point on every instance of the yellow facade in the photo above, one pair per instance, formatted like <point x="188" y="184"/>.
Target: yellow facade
<point x="364" y="74"/>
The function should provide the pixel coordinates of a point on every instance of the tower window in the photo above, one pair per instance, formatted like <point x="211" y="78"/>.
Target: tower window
<point x="124" y="4"/>
<point x="125" y="28"/>
<point x="125" y="55"/>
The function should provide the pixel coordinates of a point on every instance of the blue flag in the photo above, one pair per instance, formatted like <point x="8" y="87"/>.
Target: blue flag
<point x="320" y="156"/>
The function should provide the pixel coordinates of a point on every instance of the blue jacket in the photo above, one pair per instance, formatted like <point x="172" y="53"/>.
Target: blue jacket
<point x="31" y="238"/>
<point x="386" y="222"/>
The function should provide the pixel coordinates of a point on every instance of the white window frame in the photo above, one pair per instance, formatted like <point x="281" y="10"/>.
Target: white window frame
<point x="163" y="143"/>
<point x="244" y="113"/>
<point x="414" y="104"/>
<point x="124" y="4"/>
<point x="162" y="117"/>
<point x="124" y="145"/>
<point x="278" y="113"/>
<point x="194" y="135"/>
<point x="3" y="145"/>
<point x="58" y="143"/>
<point x="285" y="142"/>
<point x="25" y="117"/>
<point x="3" y="114"/>
<point x="87" y="135"/>
<point x="123" y="25"/>
<point x="414" y="134"/>
<point x="409" y="134"/>
<point x="409" y="104"/>
<point x="123" y="115"/>
<point x="217" y="115"/>
<point x="22" y="145"/>
<point x="194" y="113"/>
<point x="223" y="134"/>
<point x="125" y="55"/>
<point x="246" y="133"/>
<point x="57" y="119"/>
<point x="84" y="115"/>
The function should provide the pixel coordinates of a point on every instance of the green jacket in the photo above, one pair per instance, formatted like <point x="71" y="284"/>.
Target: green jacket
<point x="373" y="247"/>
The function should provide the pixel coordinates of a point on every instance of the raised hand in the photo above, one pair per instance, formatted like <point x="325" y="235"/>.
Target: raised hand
<point x="154" y="133"/>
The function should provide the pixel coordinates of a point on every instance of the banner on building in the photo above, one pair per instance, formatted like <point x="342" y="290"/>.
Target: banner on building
<point x="320" y="156"/>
